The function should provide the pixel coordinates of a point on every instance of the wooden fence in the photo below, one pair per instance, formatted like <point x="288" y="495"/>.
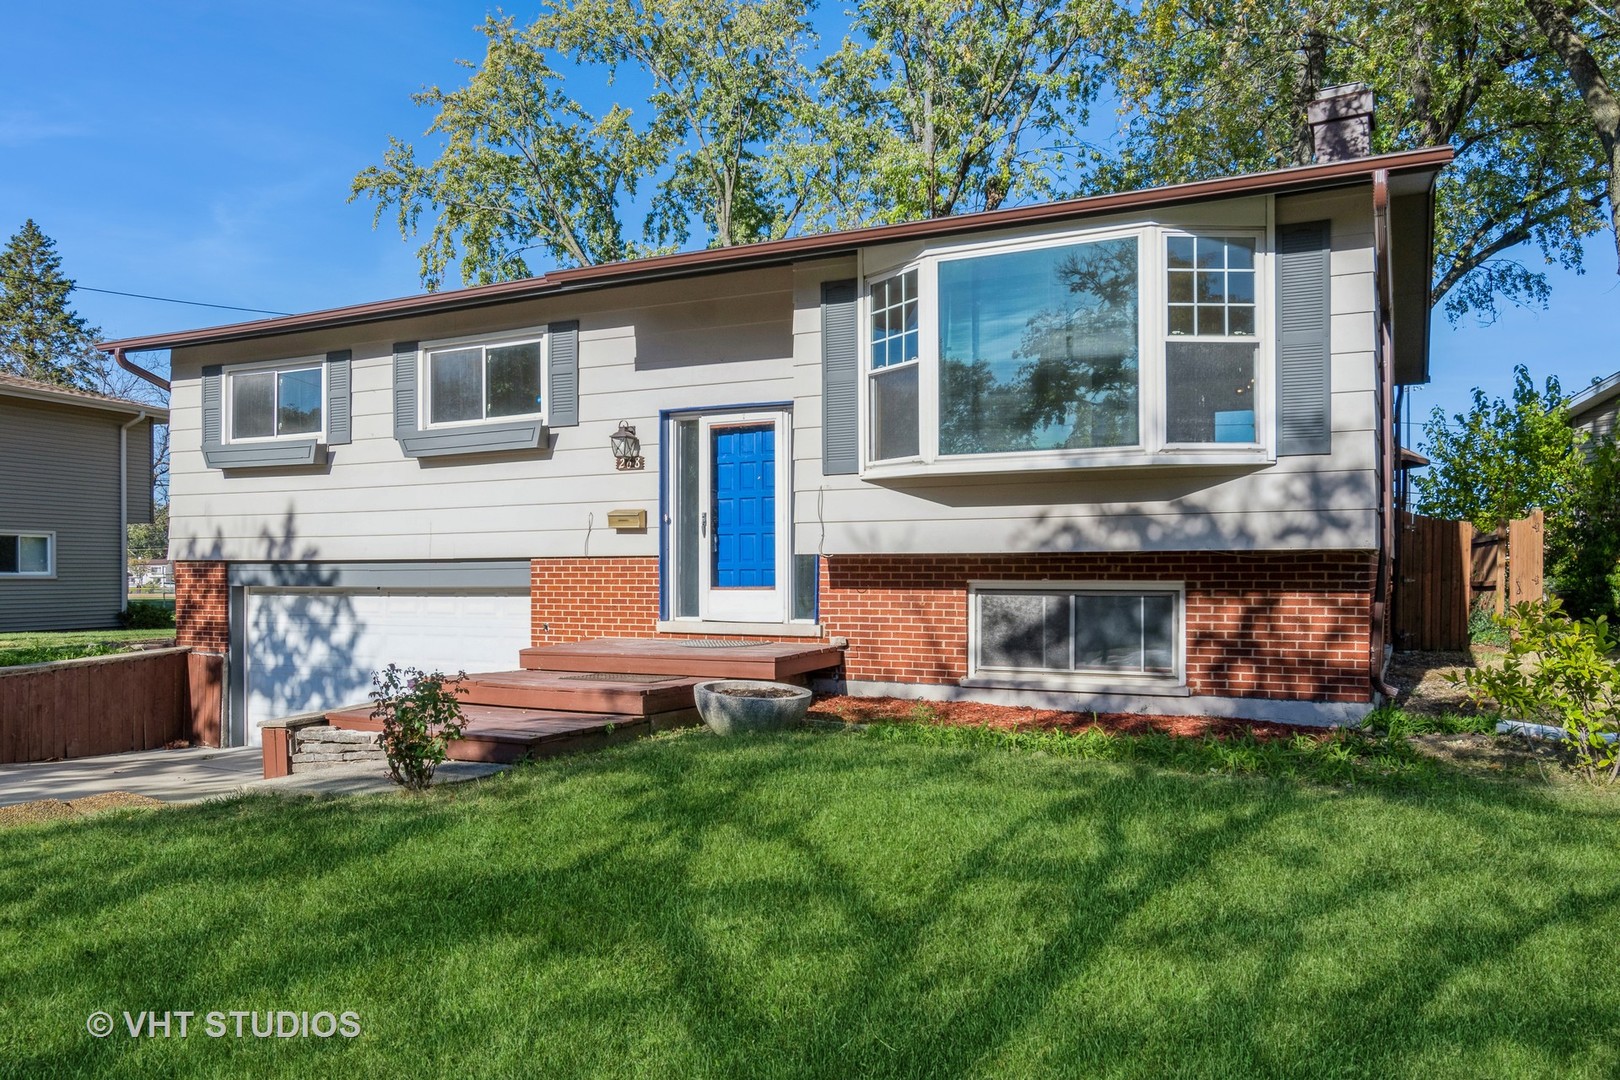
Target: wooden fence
<point x="109" y="704"/>
<point x="1444" y="569"/>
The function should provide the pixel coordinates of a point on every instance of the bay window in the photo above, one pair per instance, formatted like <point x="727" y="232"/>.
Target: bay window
<point x="1119" y="347"/>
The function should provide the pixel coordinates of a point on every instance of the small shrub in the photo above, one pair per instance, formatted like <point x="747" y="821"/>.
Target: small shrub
<point x="1484" y="628"/>
<point x="420" y="718"/>
<point x="1560" y="672"/>
<point x="147" y="615"/>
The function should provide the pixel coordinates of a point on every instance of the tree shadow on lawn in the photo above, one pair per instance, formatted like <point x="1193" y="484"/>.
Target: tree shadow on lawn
<point x="806" y="905"/>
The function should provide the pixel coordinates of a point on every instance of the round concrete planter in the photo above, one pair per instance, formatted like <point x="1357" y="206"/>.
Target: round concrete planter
<point x="734" y="712"/>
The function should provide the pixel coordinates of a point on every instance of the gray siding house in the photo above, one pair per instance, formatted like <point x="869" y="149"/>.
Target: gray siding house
<point x="1130" y="452"/>
<point x="80" y="470"/>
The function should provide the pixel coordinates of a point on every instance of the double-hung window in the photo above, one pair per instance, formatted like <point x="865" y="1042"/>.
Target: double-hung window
<point x="1211" y="346"/>
<point x="470" y="382"/>
<point x="895" y="341"/>
<point x="281" y="402"/>
<point x="27" y="554"/>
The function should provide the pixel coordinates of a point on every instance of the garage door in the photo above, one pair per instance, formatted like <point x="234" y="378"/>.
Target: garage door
<point x="316" y="649"/>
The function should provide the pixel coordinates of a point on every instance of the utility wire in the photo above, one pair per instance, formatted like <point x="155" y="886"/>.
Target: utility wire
<point x="172" y="300"/>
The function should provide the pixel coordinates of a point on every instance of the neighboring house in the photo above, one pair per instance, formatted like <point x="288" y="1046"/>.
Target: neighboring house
<point x="1124" y="452"/>
<point x="1593" y="409"/>
<point x="78" y="470"/>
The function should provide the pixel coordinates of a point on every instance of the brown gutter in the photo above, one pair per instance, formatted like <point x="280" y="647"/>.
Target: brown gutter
<point x="1383" y="474"/>
<point x="136" y="369"/>
<point x="778" y="252"/>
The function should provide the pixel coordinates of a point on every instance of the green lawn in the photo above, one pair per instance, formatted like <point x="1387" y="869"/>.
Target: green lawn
<point x="838" y="905"/>
<point x="42" y="646"/>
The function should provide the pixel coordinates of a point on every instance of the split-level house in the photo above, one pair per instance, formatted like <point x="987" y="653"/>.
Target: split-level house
<point x="1132" y="452"/>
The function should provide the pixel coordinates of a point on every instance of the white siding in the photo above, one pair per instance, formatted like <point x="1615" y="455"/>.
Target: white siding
<point x="751" y="337"/>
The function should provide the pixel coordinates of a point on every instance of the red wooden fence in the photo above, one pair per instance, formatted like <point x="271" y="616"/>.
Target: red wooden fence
<point x="109" y="704"/>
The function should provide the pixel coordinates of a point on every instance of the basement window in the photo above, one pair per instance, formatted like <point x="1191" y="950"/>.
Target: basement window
<point x="1093" y="635"/>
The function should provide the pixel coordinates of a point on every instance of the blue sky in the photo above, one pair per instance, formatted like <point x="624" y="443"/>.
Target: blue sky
<point x="204" y="151"/>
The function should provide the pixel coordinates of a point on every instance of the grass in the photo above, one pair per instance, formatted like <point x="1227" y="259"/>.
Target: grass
<point x="39" y="647"/>
<point x="887" y="903"/>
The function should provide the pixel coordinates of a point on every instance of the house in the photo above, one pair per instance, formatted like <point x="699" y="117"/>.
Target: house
<point x="80" y="470"/>
<point x="1593" y="409"/>
<point x="1133" y="452"/>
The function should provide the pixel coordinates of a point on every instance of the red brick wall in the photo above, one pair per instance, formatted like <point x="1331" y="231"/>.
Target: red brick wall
<point x="1274" y="625"/>
<point x="202" y="617"/>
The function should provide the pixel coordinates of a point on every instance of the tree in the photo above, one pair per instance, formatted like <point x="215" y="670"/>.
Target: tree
<point x="525" y="166"/>
<point x="953" y="106"/>
<point x="1584" y="552"/>
<point x="41" y="337"/>
<point x="1502" y="460"/>
<point x="150" y="542"/>
<point x="1213" y="88"/>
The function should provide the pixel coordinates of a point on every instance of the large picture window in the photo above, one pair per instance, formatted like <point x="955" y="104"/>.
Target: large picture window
<point x="486" y="381"/>
<point x="1038" y="349"/>
<point x="26" y="554"/>
<point x="283" y="402"/>
<point x="1098" y="631"/>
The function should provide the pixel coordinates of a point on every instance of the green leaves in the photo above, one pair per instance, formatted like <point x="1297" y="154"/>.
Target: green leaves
<point x="41" y="337"/>
<point x="1501" y="460"/>
<point x="420" y="719"/>
<point x="1560" y="672"/>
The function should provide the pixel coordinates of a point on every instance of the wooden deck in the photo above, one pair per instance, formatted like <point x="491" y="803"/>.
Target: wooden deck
<point x="591" y="693"/>
<point x="699" y="658"/>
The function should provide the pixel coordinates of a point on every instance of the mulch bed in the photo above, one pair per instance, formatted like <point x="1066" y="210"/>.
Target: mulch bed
<point x="29" y="813"/>
<point x="853" y="710"/>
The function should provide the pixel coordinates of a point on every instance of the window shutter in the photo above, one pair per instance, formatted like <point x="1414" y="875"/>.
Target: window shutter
<point x="213" y="409"/>
<point x="404" y="389"/>
<point x="337" y="398"/>
<point x="1304" y="348"/>
<point x="562" y="346"/>
<point x="840" y="378"/>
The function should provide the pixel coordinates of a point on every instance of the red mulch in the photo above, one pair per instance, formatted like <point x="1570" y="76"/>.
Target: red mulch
<point x="853" y="710"/>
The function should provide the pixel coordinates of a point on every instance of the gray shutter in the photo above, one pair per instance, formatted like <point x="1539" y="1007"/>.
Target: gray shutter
<point x="563" y="349"/>
<point x="337" y="398"/>
<point x="213" y="409"/>
<point x="840" y="378"/>
<point x="1304" y="348"/>
<point x="404" y="389"/>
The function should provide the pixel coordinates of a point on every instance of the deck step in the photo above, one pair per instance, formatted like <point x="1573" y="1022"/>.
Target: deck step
<point x="696" y="658"/>
<point x="580" y="692"/>
<point x="493" y="733"/>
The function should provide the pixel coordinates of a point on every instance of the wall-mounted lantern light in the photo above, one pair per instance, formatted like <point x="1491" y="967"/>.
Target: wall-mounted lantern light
<point x="626" y="448"/>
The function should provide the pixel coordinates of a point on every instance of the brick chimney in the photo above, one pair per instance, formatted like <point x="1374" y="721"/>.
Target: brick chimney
<point x="1341" y="120"/>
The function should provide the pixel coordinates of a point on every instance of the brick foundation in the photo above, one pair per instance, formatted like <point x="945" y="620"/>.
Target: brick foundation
<point x="1279" y="625"/>
<point x="202" y="610"/>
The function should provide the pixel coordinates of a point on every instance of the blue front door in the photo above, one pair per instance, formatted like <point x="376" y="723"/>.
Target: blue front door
<point x="744" y="548"/>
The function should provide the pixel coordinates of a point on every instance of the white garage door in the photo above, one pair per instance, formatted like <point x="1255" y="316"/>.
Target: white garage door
<point x="317" y="649"/>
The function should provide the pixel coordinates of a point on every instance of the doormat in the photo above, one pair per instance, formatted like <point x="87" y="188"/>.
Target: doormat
<point x="717" y="643"/>
<point x="608" y="676"/>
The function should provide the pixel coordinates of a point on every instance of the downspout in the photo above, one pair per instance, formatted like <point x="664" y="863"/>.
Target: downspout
<point x="1383" y="349"/>
<point x="123" y="469"/>
<point x="123" y="505"/>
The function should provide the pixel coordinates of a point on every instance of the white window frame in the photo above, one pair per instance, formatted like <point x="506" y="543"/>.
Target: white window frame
<point x="1152" y="333"/>
<point x="1264" y="341"/>
<point x="228" y="399"/>
<point x="49" y="536"/>
<point x="424" y="381"/>
<point x="1041" y="678"/>
<point x="870" y="374"/>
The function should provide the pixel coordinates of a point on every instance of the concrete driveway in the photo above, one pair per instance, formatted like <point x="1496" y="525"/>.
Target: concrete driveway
<point x="169" y="775"/>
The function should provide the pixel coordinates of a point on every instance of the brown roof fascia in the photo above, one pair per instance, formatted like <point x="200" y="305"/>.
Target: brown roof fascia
<point x="776" y="252"/>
